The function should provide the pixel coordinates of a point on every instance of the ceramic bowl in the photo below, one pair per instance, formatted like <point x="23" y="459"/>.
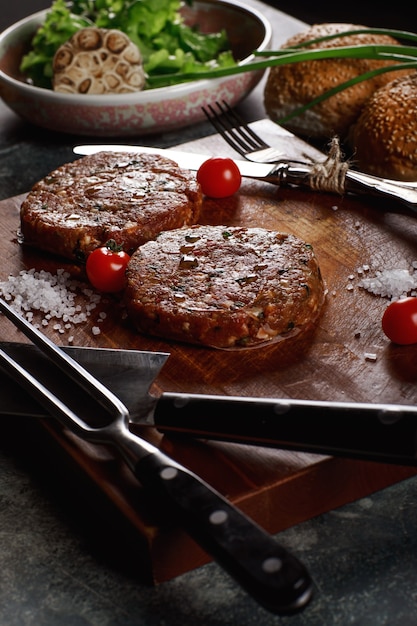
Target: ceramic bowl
<point x="150" y="111"/>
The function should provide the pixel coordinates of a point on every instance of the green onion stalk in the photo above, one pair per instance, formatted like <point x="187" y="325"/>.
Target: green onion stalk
<point x="402" y="56"/>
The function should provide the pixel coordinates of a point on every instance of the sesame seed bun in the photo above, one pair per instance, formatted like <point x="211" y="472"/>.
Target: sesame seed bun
<point x="294" y="85"/>
<point x="384" y="138"/>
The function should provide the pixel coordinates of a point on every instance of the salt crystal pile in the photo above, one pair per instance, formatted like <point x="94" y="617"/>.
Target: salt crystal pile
<point x="392" y="283"/>
<point x="54" y="295"/>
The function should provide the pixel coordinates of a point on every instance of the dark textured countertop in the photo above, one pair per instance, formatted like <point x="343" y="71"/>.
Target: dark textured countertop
<point x="56" y="568"/>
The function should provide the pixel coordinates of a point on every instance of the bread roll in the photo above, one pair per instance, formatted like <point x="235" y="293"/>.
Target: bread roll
<point x="385" y="136"/>
<point x="293" y="85"/>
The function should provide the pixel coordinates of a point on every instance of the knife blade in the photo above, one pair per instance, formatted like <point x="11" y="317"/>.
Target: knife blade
<point x="186" y="160"/>
<point x="284" y="172"/>
<point x="127" y="373"/>
<point x="376" y="432"/>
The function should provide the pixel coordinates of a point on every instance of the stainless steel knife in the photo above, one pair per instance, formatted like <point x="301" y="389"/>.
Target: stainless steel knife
<point x="284" y="172"/>
<point x="376" y="432"/>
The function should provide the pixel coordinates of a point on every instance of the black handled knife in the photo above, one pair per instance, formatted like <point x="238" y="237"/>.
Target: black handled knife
<point x="376" y="432"/>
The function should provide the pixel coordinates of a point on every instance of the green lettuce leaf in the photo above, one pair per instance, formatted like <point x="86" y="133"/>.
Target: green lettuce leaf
<point x="167" y="45"/>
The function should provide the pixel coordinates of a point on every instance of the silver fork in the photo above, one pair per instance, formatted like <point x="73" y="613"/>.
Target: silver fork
<point x="240" y="135"/>
<point x="329" y="175"/>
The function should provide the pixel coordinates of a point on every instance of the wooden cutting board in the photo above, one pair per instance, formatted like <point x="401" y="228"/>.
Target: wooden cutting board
<point x="276" y="488"/>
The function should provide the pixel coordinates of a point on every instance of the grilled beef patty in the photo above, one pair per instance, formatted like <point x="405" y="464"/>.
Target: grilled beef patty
<point x="224" y="287"/>
<point x="127" y="197"/>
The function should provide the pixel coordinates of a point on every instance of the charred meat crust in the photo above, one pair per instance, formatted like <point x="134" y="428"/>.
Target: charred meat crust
<point x="127" y="197"/>
<point x="224" y="287"/>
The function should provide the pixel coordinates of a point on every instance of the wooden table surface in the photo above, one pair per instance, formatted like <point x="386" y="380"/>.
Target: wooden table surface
<point x="277" y="488"/>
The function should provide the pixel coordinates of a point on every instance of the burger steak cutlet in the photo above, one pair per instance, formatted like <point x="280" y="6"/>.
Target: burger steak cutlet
<point x="225" y="287"/>
<point x="127" y="197"/>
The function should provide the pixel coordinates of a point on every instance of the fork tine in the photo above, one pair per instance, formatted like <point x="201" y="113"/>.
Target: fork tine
<point x="233" y="129"/>
<point x="254" y="140"/>
<point x="224" y="130"/>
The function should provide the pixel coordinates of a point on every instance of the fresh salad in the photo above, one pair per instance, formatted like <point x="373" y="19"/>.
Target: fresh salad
<point x="168" y="46"/>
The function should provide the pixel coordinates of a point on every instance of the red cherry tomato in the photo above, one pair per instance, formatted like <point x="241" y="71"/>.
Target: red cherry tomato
<point x="219" y="177"/>
<point x="399" y="321"/>
<point x="106" y="267"/>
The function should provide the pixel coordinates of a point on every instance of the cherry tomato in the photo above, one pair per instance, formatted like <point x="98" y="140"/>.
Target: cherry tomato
<point x="106" y="267"/>
<point x="399" y="321"/>
<point x="219" y="177"/>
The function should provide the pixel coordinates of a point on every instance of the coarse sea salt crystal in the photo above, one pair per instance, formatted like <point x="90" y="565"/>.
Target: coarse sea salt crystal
<point x="54" y="295"/>
<point x="390" y="283"/>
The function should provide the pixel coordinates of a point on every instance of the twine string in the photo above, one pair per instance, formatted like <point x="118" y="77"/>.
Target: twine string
<point x="330" y="174"/>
